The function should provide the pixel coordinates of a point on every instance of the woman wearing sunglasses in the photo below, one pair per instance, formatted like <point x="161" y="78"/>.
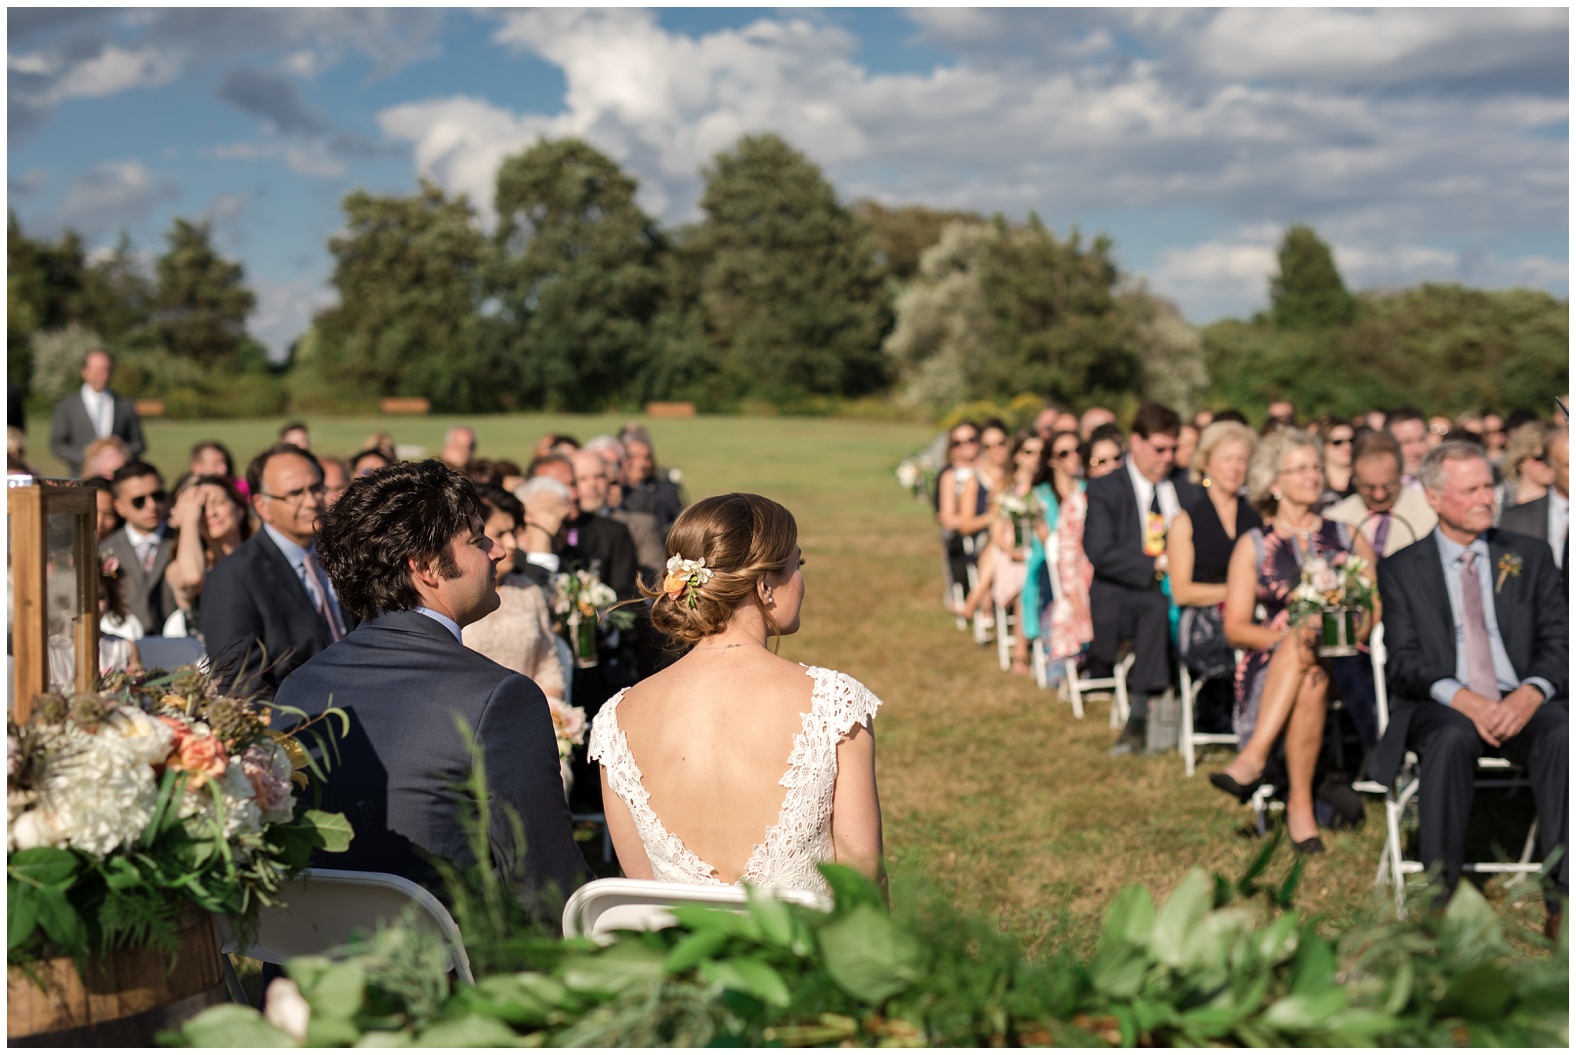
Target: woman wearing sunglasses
<point x="1526" y="469"/>
<point x="957" y="477"/>
<point x="1064" y="625"/>
<point x="1335" y="439"/>
<point x="1002" y="566"/>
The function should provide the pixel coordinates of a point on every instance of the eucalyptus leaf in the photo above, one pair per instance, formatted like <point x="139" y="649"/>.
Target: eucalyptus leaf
<point x="233" y="1026"/>
<point x="1304" y="1011"/>
<point x="330" y="831"/>
<point x="694" y="949"/>
<point x="772" y="915"/>
<point x="1177" y="918"/>
<point x="867" y="956"/>
<point x="1313" y="968"/>
<point x="44" y="865"/>
<point x="1130" y="918"/>
<point x="748" y="975"/>
<point x="851" y="888"/>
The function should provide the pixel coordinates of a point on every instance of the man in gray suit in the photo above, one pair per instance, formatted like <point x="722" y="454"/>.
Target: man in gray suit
<point x="93" y="412"/>
<point x="143" y="544"/>
<point x="1548" y="518"/>
<point x="408" y="555"/>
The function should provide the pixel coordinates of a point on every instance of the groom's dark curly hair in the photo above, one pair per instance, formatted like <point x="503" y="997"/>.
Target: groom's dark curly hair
<point x="384" y="520"/>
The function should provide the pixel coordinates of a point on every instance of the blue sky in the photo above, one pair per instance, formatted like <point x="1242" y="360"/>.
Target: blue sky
<point x="1423" y="144"/>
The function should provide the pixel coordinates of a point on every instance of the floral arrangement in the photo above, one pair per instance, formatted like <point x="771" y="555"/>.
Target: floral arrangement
<point x="569" y="725"/>
<point x="1340" y="582"/>
<point x="1509" y="567"/>
<point x="685" y="577"/>
<point x="155" y="793"/>
<point x="1018" y="507"/>
<point x="582" y="593"/>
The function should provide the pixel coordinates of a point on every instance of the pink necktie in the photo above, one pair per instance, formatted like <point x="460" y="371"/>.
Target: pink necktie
<point x="1381" y="533"/>
<point x="320" y="595"/>
<point x="1474" y="632"/>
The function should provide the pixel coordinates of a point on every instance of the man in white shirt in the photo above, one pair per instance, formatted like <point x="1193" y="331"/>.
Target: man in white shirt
<point x="143" y="545"/>
<point x="93" y="412"/>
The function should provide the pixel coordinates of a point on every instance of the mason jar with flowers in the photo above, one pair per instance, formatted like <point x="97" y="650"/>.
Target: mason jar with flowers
<point x="1022" y="511"/>
<point x="583" y="601"/>
<point x="1340" y="592"/>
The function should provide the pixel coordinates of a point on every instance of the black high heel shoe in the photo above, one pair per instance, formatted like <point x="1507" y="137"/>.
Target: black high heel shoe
<point x="1224" y="782"/>
<point x="1311" y="845"/>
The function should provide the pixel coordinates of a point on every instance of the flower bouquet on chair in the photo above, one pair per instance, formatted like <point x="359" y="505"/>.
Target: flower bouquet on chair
<point x="1340" y="592"/>
<point x="583" y="600"/>
<point x="136" y="811"/>
<point x="1022" y="510"/>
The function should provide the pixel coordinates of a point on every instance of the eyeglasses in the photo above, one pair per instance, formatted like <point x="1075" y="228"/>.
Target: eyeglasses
<point x="159" y="498"/>
<point x="1295" y="469"/>
<point x="1095" y="463"/>
<point x="295" y="497"/>
<point x="1375" y="489"/>
<point x="1439" y="430"/>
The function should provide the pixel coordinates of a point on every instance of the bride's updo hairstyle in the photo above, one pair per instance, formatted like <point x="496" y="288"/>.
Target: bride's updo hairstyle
<point x="742" y="538"/>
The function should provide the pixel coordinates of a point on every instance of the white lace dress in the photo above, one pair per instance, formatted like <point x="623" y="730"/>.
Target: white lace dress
<point x="802" y="837"/>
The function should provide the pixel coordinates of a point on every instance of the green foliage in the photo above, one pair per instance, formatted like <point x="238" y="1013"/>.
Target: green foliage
<point x="201" y="302"/>
<point x="57" y="359"/>
<point x="790" y="288"/>
<point x="1204" y="967"/>
<point x="1308" y="293"/>
<point x="577" y="276"/>
<point x="409" y="321"/>
<point x="903" y="234"/>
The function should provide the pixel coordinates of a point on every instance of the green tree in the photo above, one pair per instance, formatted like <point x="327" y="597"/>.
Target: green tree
<point x="791" y="288"/>
<point x="118" y="298"/>
<point x="44" y="284"/>
<point x="410" y="271"/>
<point x="201" y="302"/>
<point x="1308" y="293"/>
<point x="578" y="280"/>
<point x="903" y="234"/>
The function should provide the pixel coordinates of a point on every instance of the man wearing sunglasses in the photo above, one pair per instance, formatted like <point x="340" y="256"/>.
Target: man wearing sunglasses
<point x="142" y="545"/>
<point x="269" y="607"/>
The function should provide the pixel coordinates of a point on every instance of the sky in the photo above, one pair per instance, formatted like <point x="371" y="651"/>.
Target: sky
<point x="1423" y="144"/>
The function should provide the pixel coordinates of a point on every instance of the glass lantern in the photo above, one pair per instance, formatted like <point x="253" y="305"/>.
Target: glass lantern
<point x="54" y="569"/>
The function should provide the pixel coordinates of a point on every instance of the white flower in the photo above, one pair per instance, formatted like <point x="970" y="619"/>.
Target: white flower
<point x="267" y="768"/>
<point x="241" y="813"/>
<point x="1323" y="577"/>
<point x="286" y="1009"/>
<point x="97" y="793"/>
<point x="37" y="827"/>
<point x="139" y="735"/>
<point x="908" y="474"/>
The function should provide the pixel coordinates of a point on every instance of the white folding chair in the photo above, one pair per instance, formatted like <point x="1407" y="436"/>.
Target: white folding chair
<point x="169" y="652"/>
<point x="1076" y="686"/>
<point x="324" y="909"/>
<point x="1190" y="740"/>
<point x="1006" y="635"/>
<point x="1492" y="772"/>
<point x="603" y="906"/>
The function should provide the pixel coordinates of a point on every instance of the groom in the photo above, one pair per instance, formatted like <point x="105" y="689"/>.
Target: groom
<point x="408" y="557"/>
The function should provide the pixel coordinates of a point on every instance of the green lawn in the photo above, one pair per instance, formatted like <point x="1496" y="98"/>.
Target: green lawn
<point x="991" y="791"/>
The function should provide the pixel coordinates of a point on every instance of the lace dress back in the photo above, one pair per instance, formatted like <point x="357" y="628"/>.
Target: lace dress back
<point x="787" y="855"/>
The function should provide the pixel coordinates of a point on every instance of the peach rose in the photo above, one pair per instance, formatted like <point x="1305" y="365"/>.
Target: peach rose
<point x="200" y="756"/>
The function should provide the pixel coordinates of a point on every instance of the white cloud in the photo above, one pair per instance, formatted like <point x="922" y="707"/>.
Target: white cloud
<point x="111" y="195"/>
<point x="312" y="159"/>
<point x="285" y="309"/>
<point x="304" y="63"/>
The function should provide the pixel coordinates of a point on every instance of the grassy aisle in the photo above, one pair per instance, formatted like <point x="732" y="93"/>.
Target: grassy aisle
<point x="991" y="790"/>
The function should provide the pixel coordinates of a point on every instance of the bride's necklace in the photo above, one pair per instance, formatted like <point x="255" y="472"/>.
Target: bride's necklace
<point x="718" y="648"/>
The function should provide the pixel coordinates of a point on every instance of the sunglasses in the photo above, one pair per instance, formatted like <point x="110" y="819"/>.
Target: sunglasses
<point x="992" y="446"/>
<point x="1095" y="463"/>
<point x="1531" y="458"/>
<point x="1073" y="451"/>
<point x="158" y="497"/>
<point x="958" y="441"/>
<point x="1344" y="441"/>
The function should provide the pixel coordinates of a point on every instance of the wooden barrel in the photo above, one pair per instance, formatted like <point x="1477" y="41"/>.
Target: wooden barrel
<point x="125" y="999"/>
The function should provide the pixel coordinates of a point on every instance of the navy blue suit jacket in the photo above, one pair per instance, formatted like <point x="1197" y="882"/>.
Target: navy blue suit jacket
<point x="404" y="680"/>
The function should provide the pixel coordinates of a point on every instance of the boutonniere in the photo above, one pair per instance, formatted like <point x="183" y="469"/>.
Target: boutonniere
<point x="1509" y="566"/>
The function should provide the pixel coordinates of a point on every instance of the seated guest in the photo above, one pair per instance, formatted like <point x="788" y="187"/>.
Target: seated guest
<point x="295" y="433"/>
<point x="1200" y="543"/>
<point x="104" y="456"/>
<point x="1390" y="517"/>
<point x="1129" y="514"/>
<point x="1283" y="684"/>
<point x="1439" y="427"/>
<point x="547" y="506"/>
<point x="117" y="649"/>
<point x="366" y="462"/>
<point x="510" y="475"/>
<point x="1103" y="452"/>
<point x="1494" y="437"/>
<point x="212" y="458"/>
<point x="1476" y="629"/>
<point x="991" y="474"/>
<point x="336" y="477"/>
<point x="210" y="523"/>
<point x="1092" y="419"/>
<point x="1525" y="470"/>
<point x="408" y="554"/>
<point x="1001" y="579"/>
<point x="481" y="471"/>
<point x="381" y="440"/>
<point x="104" y="491"/>
<point x="459" y="447"/>
<point x="1548" y="518"/>
<point x="1410" y="430"/>
<point x="267" y="608"/>
<point x="597" y="477"/>
<point x="1335" y="441"/>
<point x="963" y="447"/>
<point x="144" y="546"/>
<point x="1187" y="446"/>
<point x="555" y="443"/>
<point x="519" y="634"/>
<point x="1066" y="627"/>
<point x="1280" y="414"/>
<point x="647" y="488"/>
<point x="590" y="538"/>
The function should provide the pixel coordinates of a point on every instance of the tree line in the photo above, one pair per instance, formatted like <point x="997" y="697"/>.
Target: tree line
<point x="779" y="294"/>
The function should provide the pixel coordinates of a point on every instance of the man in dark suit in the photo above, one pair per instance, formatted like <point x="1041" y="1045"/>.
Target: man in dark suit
<point x="93" y="412"/>
<point x="1124" y="538"/>
<point x="407" y="550"/>
<point x="1548" y="518"/>
<point x="1475" y="626"/>
<point x="589" y="537"/>
<point x="143" y="544"/>
<point x="267" y="608"/>
<point x="548" y="504"/>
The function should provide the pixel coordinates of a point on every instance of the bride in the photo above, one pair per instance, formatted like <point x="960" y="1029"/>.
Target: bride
<point x="734" y="765"/>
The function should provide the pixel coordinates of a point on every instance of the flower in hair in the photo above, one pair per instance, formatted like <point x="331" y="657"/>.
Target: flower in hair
<point x="685" y="575"/>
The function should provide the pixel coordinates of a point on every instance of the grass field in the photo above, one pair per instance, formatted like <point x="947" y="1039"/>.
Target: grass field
<point x="992" y="793"/>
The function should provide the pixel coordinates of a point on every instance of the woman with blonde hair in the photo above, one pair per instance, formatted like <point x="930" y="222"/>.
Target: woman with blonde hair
<point x="693" y="757"/>
<point x="1283" y="685"/>
<point x="1526" y="468"/>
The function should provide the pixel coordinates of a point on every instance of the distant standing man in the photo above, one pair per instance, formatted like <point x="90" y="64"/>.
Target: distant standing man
<point x="94" y="412"/>
<point x="270" y="602"/>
